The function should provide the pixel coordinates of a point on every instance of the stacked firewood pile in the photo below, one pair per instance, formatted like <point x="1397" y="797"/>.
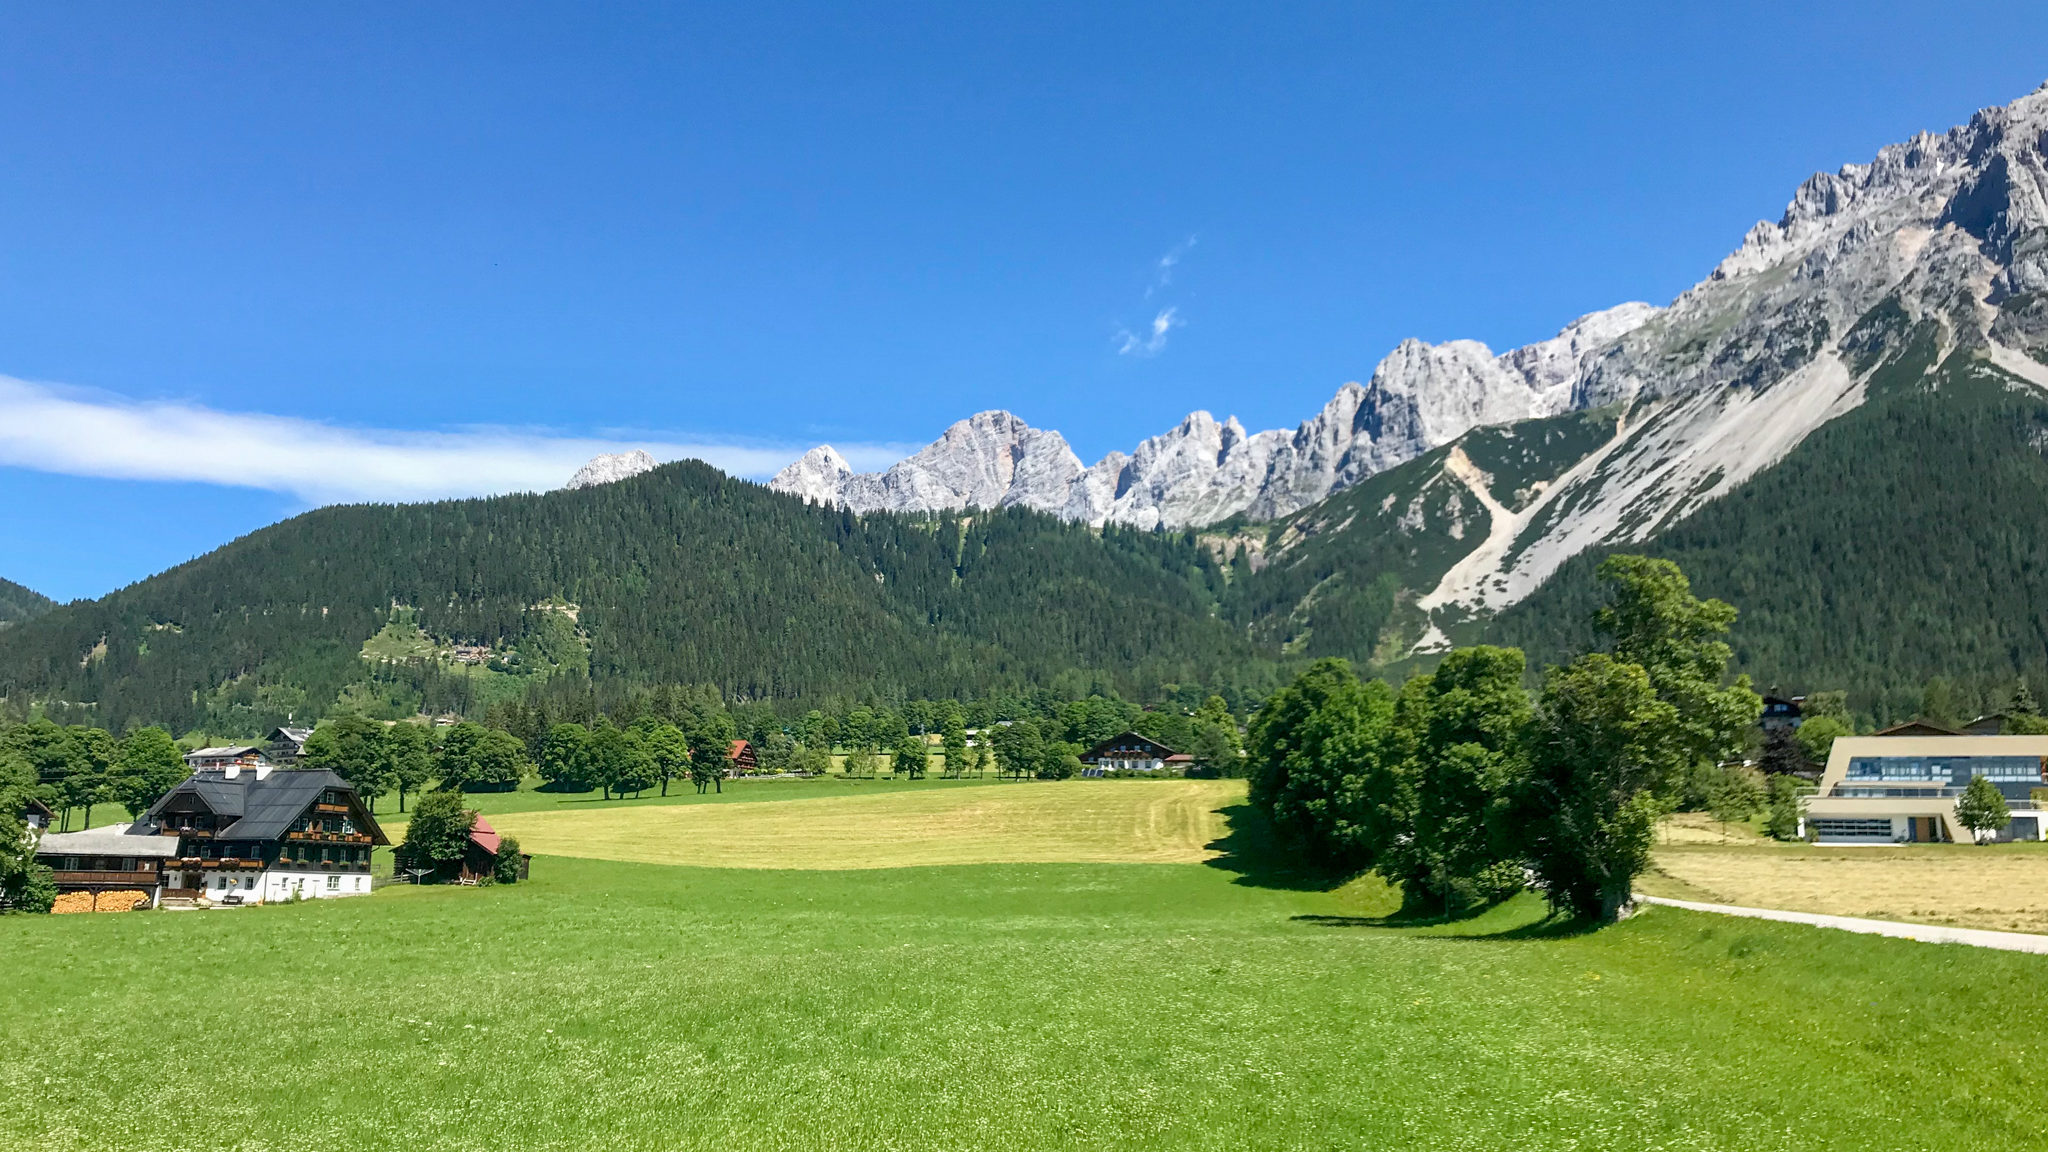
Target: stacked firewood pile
<point x="116" y="900"/>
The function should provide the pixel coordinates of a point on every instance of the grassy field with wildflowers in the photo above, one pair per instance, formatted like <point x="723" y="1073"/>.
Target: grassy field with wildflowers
<point x="1216" y="1005"/>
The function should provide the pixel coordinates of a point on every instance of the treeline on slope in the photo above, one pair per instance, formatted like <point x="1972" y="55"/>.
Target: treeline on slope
<point x="1900" y="552"/>
<point x="682" y="575"/>
<point x="672" y="735"/>
<point x="1458" y="786"/>
<point x="640" y="739"/>
<point x="18" y="603"/>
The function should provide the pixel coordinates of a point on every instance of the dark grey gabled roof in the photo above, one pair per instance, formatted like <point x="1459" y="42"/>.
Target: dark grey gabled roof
<point x="278" y="799"/>
<point x="222" y="796"/>
<point x="1130" y="740"/>
<point x="266" y="807"/>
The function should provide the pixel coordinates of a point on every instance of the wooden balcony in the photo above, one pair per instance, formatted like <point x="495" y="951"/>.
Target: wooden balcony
<point x="107" y="879"/>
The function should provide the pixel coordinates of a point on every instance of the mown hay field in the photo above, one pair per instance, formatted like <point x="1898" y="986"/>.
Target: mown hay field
<point x="1998" y="886"/>
<point x="1075" y="821"/>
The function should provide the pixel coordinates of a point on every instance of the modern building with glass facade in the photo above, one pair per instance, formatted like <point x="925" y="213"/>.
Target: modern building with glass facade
<point x="1903" y="789"/>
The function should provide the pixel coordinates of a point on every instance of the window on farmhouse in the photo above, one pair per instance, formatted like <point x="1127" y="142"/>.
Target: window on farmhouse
<point x="333" y="883"/>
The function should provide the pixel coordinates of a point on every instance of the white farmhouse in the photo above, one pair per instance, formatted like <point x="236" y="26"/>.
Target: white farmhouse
<point x="249" y="832"/>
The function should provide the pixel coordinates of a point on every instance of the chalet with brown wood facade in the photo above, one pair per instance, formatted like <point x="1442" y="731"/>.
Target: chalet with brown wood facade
<point x="742" y="759"/>
<point x="251" y="834"/>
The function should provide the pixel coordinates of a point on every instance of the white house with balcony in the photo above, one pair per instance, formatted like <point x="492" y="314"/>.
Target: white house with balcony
<point x="249" y="833"/>
<point x="1903" y="789"/>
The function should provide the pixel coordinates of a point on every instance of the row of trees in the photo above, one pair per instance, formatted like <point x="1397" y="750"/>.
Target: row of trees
<point x="75" y="769"/>
<point x="381" y="759"/>
<point x="689" y="735"/>
<point x="1189" y="721"/>
<point x="67" y="769"/>
<point x="1460" y="786"/>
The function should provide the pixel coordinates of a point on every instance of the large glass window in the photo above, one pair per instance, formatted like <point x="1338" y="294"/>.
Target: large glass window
<point x="1859" y="829"/>
<point x="1946" y="769"/>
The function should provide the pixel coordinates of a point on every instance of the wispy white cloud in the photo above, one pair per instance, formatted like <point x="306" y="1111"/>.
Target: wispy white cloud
<point x="1162" y="270"/>
<point x="1129" y="343"/>
<point x="78" y="433"/>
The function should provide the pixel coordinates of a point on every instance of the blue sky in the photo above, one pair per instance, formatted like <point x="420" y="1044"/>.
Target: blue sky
<point x="261" y="257"/>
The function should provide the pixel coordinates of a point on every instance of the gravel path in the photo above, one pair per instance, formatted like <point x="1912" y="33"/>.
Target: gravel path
<point x="1925" y="933"/>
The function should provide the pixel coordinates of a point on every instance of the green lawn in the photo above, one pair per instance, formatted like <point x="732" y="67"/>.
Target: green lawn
<point x="636" y="1006"/>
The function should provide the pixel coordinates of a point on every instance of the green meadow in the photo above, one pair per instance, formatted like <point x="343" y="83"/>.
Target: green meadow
<point x="1212" y="1005"/>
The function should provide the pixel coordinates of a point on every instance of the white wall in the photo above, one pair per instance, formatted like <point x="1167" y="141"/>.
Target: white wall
<point x="279" y="884"/>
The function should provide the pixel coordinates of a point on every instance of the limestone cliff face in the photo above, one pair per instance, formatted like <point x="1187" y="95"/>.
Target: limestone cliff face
<point x="1950" y="232"/>
<point x="1206" y="470"/>
<point x="611" y="468"/>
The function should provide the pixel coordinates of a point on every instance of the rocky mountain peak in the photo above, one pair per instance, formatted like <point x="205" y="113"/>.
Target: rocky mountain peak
<point x="1205" y="470"/>
<point x="611" y="468"/>
<point x="817" y="476"/>
<point x="1952" y="226"/>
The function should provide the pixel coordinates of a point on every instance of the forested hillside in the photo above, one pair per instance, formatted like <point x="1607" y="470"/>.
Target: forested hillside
<point x="1905" y="540"/>
<point x="682" y="575"/>
<point x="18" y="603"/>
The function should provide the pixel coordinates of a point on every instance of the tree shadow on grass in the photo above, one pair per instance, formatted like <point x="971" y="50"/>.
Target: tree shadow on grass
<point x="1521" y="918"/>
<point x="1255" y="854"/>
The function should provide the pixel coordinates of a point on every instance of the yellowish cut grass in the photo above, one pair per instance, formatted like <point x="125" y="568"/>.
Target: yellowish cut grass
<point x="2002" y="886"/>
<point x="1079" y="822"/>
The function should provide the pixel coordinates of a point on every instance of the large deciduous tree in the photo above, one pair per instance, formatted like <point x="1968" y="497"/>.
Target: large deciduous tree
<point x="1462" y="733"/>
<point x="1018" y="746"/>
<point x="565" y="758"/>
<point x="1213" y="739"/>
<point x="474" y="758"/>
<point x="437" y="836"/>
<point x="1653" y="620"/>
<point x="1816" y="737"/>
<point x="912" y="757"/>
<point x="1619" y="733"/>
<point x="953" y="741"/>
<point x="711" y="750"/>
<point x="25" y="886"/>
<point x="147" y="766"/>
<point x="1589" y="806"/>
<point x="408" y="758"/>
<point x="670" y="750"/>
<point x="351" y="746"/>
<point x="1319" y="767"/>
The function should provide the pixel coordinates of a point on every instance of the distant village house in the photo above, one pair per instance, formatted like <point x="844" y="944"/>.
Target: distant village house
<point x="1130" y="752"/>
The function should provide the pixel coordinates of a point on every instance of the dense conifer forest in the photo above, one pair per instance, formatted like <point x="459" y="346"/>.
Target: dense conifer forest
<point x="1904" y="541"/>
<point x="681" y="576"/>
<point x="18" y="603"/>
